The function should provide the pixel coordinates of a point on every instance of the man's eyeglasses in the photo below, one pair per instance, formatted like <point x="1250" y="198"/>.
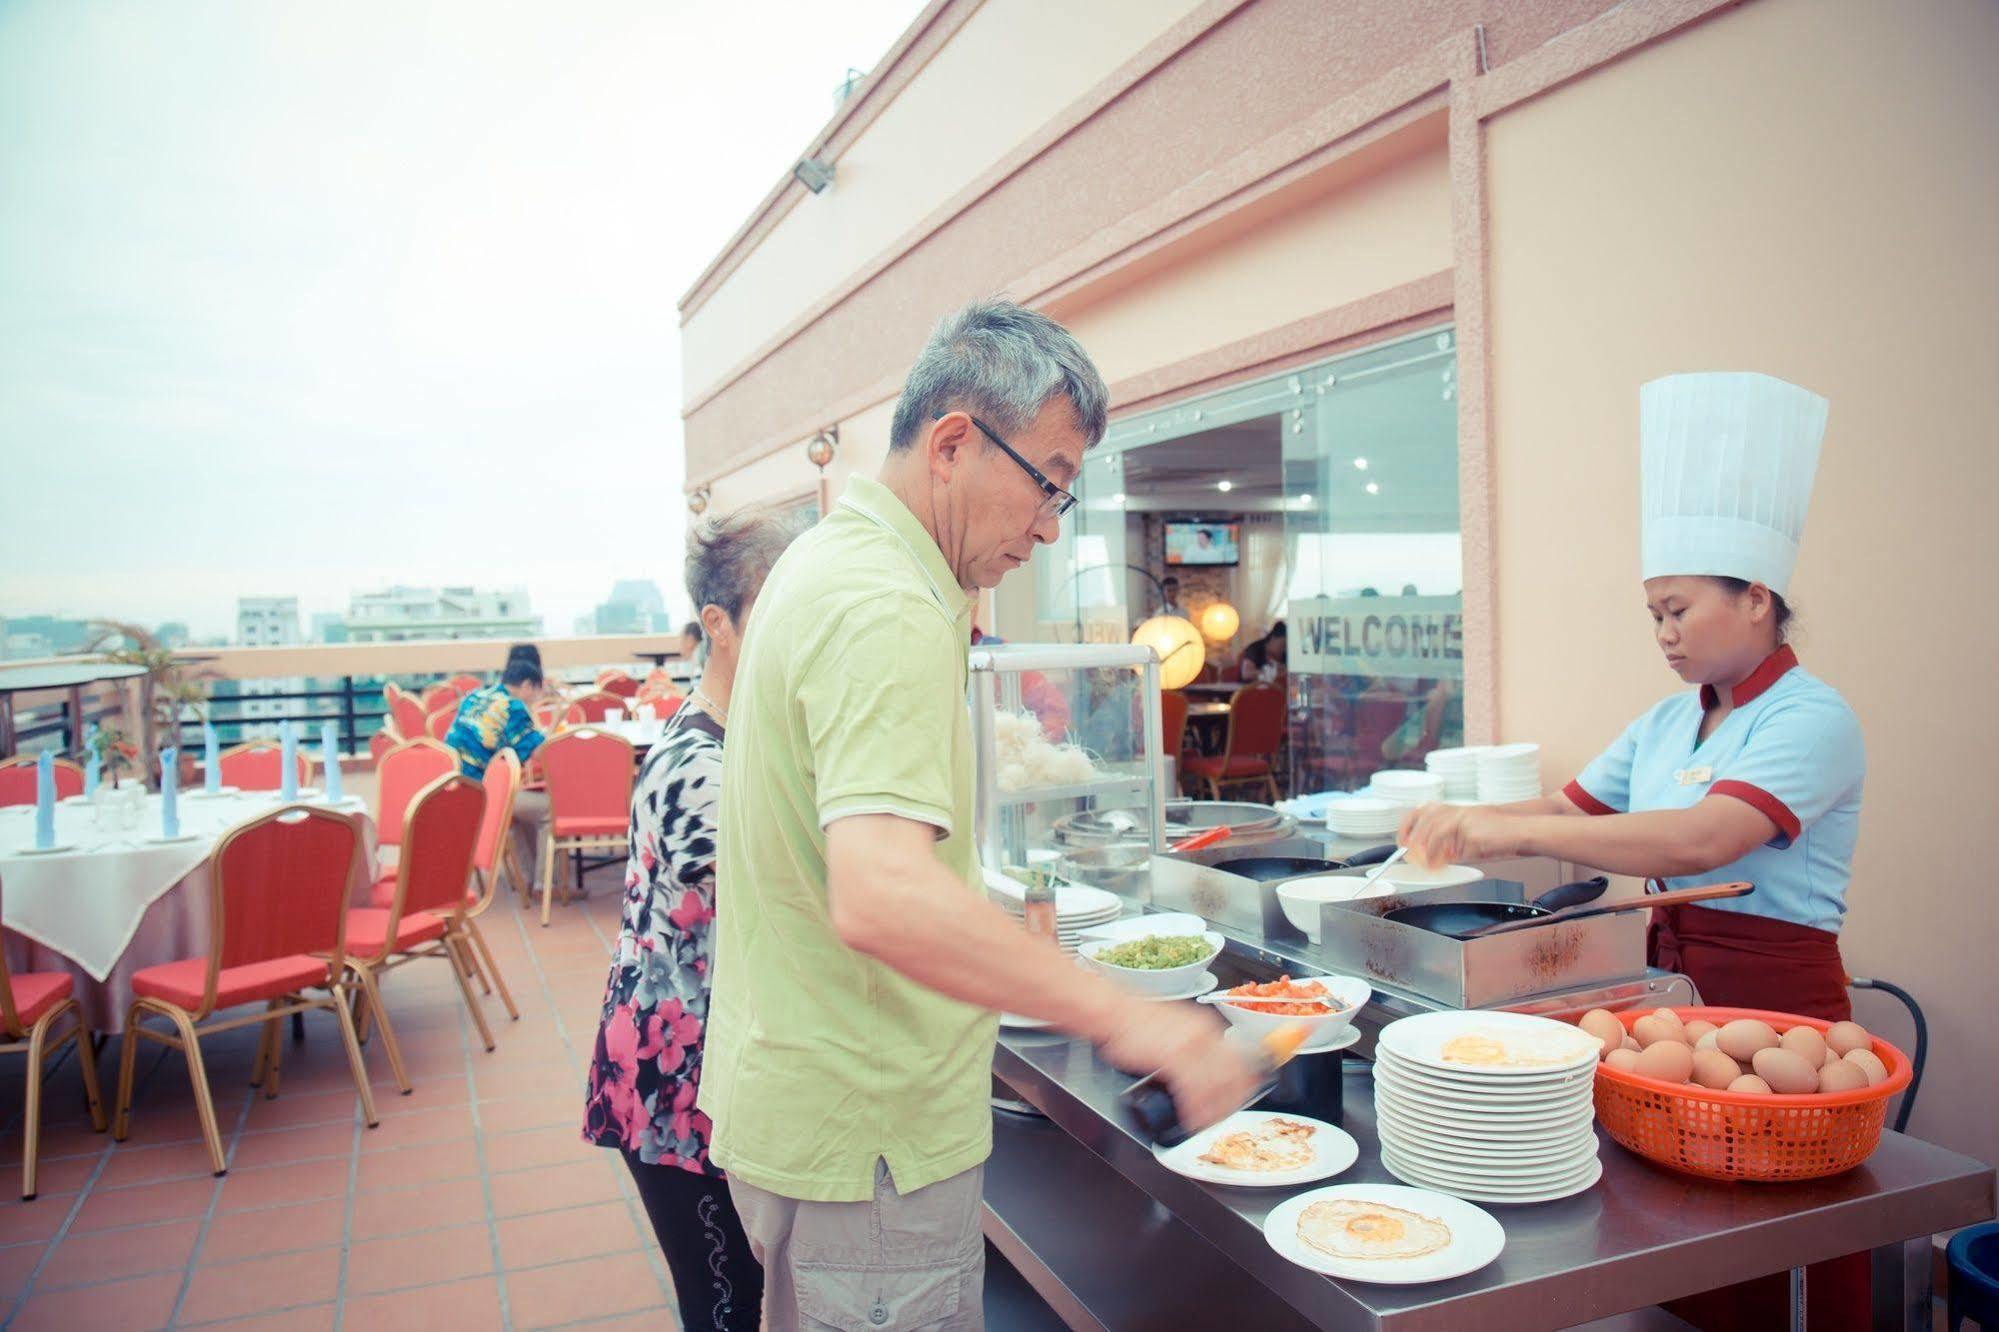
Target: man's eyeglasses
<point x="1056" y="501"/>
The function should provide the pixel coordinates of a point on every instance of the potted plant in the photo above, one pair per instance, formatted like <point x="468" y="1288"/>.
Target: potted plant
<point x="117" y="758"/>
<point x="169" y="692"/>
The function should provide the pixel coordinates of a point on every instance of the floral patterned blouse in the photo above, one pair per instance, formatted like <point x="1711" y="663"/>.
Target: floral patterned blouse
<point x="647" y="1065"/>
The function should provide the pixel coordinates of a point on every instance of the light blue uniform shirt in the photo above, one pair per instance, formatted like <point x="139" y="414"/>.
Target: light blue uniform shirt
<point x="1791" y="747"/>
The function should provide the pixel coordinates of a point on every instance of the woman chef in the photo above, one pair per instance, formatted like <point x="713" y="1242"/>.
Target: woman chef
<point x="1754" y="775"/>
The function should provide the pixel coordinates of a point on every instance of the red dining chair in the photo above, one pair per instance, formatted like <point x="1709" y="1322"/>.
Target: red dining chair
<point x="406" y="712"/>
<point x="591" y="708"/>
<point x="664" y="705"/>
<point x="404" y="771"/>
<point x="17" y="780"/>
<point x="438" y="724"/>
<point x="1249" y="755"/>
<point x="30" y="1006"/>
<point x="436" y="696"/>
<point x="277" y="912"/>
<point x="624" y="686"/>
<point x="492" y="857"/>
<point x="425" y="915"/>
<point x="259" y="765"/>
<point x="1173" y="726"/>
<point x="658" y="678"/>
<point x="465" y="684"/>
<point x="380" y="743"/>
<point x="589" y="778"/>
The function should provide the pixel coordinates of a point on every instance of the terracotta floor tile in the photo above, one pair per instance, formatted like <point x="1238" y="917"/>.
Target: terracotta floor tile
<point x="439" y="1255"/>
<point x="574" y="1232"/>
<point x="131" y="1165"/>
<point x="418" y="1165"/>
<point x="428" y="1094"/>
<point x="86" y="1259"/>
<point x="62" y="1140"/>
<point x="317" y="1318"/>
<point x="545" y="1296"/>
<point x="24" y="1222"/>
<point x="526" y="1150"/>
<point x="284" y="1184"/>
<point x="129" y="1306"/>
<point x="423" y="1125"/>
<point x="462" y="1306"/>
<point x="528" y="1191"/>
<point x="297" y="1107"/>
<point x="64" y="1175"/>
<point x="542" y="1111"/>
<point x="261" y="1285"/>
<point x="169" y="1201"/>
<point x="452" y="1203"/>
<point x="312" y="1142"/>
<point x="17" y="1264"/>
<point x="235" y="1235"/>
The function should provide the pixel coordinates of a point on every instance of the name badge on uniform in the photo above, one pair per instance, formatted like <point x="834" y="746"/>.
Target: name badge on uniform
<point x="1694" y="776"/>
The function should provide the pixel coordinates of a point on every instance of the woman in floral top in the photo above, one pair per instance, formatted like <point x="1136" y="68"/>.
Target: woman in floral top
<point x="647" y="1067"/>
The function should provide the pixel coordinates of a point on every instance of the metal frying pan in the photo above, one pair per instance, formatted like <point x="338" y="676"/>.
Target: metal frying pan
<point x="1462" y="919"/>
<point x="1268" y="869"/>
<point x="1505" y="917"/>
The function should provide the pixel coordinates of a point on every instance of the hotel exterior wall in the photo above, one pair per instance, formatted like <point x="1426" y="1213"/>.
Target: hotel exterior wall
<point x="1018" y="64"/>
<point x="1808" y="188"/>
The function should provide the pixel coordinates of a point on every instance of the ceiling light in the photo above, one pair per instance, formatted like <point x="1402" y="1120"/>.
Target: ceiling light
<point x="1225" y="486"/>
<point x="1373" y="488"/>
<point x="1118" y="498"/>
<point x="1303" y="500"/>
<point x="1360" y="463"/>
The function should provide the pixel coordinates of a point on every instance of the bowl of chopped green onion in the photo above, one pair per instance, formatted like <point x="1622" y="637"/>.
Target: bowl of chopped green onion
<point x="1155" y="963"/>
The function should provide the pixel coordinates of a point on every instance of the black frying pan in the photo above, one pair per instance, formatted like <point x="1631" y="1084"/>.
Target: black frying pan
<point x="1462" y="919"/>
<point x="1267" y="869"/>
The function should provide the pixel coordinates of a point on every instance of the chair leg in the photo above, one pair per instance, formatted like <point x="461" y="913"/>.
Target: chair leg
<point x="32" y="1117"/>
<point x="86" y="1058"/>
<point x="267" y="1034"/>
<point x="128" y="1062"/>
<point x="453" y="955"/>
<point x="298" y="1028"/>
<point x="355" y="1064"/>
<point x="197" y="1075"/>
<point x="373" y="988"/>
<point x="276" y="1027"/>
<point x="492" y="968"/>
<point x="547" y="875"/>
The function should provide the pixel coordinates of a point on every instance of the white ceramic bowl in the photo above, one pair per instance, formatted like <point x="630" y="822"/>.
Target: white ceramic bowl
<point x="1171" y="980"/>
<point x="1300" y="899"/>
<point x="1350" y="992"/>
<point x="1405" y="875"/>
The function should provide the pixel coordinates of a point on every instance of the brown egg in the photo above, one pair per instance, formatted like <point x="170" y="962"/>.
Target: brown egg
<point x="1650" y="1030"/>
<point x="1742" y="1038"/>
<point x="1714" y="1069"/>
<point x="1631" y="1044"/>
<point x="1751" y="1084"/>
<point x="1846" y="1036"/>
<point x="1788" y="1074"/>
<point x="1831" y="1058"/>
<point x="1603" y="1024"/>
<point x="1669" y="1061"/>
<point x="1842" y="1077"/>
<point x="1806" y="1043"/>
<point x="1706" y="1040"/>
<point x="1668" y="1015"/>
<point x="1869" y="1063"/>
<point x="1697" y="1029"/>
<point x="1626" y="1060"/>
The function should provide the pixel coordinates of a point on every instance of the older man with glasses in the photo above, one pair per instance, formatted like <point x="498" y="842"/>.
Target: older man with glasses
<point x="858" y="965"/>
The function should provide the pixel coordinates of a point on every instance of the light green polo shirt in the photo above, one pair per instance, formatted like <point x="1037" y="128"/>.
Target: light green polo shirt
<point x="850" y="699"/>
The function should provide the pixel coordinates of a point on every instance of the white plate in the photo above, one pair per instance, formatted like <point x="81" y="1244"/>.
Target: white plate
<point x="1529" y="1120"/>
<point x="1474" y="1107"/>
<point x="1342" y="1039"/>
<point x="1421" y="1040"/>
<point x="1424" y="1119"/>
<point x="1333" y="1150"/>
<point x="1204" y="983"/>
<point x="1571" y="1174"/>
<point x="1583" y="1181"/>
<point x="66" y="800"/>
<point x="1493" y="1095"/>
<point x="203" y="793"/>
<point x="1452" y="1154"/>
<point x="55" y="850"/>
<point x="1137" y="927"/>
<point x="161" y="839"/>
<point x="1476" y="1139"/>
<point x="1476" y="1236"/>
<point x="1485" y="1084"/>
<point x="1520" y="1175"/>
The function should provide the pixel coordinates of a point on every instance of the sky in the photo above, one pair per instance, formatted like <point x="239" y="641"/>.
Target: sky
<point x="308" y="299"/>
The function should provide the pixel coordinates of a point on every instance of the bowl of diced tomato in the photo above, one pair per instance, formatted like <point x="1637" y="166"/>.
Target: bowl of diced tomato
<point x="1324" y="1005"/>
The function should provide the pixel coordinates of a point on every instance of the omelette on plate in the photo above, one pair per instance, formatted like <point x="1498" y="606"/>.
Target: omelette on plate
<point x="1351" y="1228"/>
<point x="1275" y="1144"/>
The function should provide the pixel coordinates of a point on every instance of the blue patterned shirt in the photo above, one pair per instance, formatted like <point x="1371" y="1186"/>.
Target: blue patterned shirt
<point x="490" y="720"/>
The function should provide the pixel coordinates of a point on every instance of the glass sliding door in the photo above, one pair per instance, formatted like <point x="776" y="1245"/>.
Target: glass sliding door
<point x="1375" y="642"/>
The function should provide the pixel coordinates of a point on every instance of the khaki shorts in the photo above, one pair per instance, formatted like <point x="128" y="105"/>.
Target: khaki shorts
<point x="896" y="1264"/>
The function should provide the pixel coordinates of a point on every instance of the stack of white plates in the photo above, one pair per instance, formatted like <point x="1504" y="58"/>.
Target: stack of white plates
<point x="1509" y="772"/>
<point x="1459" y="770"/>
<point x="1077" y="908"/>
<point x="1494" y="1107"/>
<point x="1407" y="787"/>
<point x="1364" y="816"/>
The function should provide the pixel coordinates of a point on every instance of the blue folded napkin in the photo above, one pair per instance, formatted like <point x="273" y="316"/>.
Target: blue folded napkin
<point x="211" y="762"/>
<point x="329" y="753"/>
<point x="169" y="790"/>
<point x="45" y="801"/>
<point x="93" y="766"/>
<point x="288" y="780"/>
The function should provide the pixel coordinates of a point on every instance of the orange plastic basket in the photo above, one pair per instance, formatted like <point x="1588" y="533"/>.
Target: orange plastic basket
<point x="1739" y="1136"/>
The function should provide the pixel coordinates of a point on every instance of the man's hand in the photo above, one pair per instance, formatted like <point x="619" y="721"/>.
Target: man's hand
<point x="1438" y="835"/>
<point x="1208" y="1077"/>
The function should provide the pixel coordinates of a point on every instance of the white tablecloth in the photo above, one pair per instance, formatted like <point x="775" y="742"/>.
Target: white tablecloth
<point x="121" y="901"/>
<point x="642" y="734"/>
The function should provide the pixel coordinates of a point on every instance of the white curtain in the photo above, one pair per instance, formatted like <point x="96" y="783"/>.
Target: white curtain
<point x="1265" y="574"/>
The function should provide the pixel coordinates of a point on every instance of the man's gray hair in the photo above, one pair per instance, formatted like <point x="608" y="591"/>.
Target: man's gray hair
<point x="729" y="557"/>
<point x="1002" y="363"/>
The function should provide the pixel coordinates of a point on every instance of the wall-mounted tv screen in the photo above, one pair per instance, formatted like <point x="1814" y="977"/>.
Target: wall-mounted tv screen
<point x="1203" y="543"/>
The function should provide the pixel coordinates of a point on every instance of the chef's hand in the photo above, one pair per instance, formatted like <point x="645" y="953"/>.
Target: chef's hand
<point x="1438" y="835"/>
<point x="1209" y="1078"/>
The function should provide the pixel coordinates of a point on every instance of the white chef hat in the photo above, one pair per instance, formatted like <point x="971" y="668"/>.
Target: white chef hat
<point x="1728" y="462"/>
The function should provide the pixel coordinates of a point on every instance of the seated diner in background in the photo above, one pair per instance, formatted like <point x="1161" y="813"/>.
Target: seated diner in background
<point x="1262" y="662"/>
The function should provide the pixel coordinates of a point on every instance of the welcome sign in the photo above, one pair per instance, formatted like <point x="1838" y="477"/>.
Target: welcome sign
<point x="1416" y="637"/>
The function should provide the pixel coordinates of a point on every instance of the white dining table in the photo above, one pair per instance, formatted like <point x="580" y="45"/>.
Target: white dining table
<point x="112" y="899"/>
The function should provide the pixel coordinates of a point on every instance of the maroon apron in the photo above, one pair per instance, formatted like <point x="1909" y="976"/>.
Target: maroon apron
<point x="1737" y="960"/>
